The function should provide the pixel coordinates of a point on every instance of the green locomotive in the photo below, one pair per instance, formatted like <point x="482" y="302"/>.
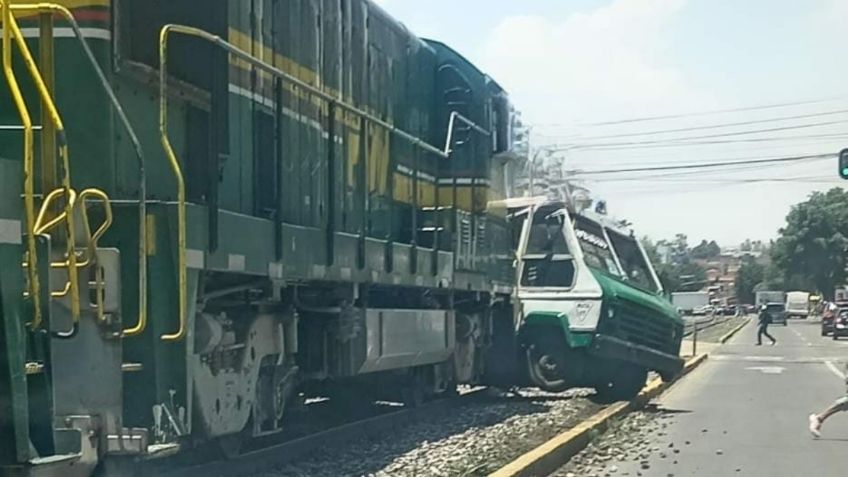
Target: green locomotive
<point x="207" y="211"/>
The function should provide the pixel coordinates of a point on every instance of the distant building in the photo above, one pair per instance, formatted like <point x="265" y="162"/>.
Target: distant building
<point x="721" y="273"/>
<point x="664" y="252"/>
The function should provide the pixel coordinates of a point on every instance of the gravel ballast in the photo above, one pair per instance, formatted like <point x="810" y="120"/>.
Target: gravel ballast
<point x="472" y="439"/>
<point x="636" y="440"/>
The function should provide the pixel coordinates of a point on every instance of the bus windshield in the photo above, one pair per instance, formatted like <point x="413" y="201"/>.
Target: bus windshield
<point x="596" y="250"/>
<point x="636" y="267"/>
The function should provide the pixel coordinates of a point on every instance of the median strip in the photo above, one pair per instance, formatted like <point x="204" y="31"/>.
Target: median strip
<point x="555" y="452"/>
<point x="732" y="332"/>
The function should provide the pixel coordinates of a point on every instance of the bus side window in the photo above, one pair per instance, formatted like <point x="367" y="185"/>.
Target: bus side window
<point x="545" y="272"/>
<point x="547" y="261"/>
<point x="546" y="236"/>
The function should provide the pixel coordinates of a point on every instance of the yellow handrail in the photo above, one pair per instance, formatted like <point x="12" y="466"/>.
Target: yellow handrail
<point x="29" y="193"/>
<point x="53" y="8"/>
<point x="40" y="226"/>
<point x="92" y="242"/>
<point x="107" y="216"/>
<point x="88" y="257"/>
<point x="178" y="175"/>
<point x="55" y="118"/>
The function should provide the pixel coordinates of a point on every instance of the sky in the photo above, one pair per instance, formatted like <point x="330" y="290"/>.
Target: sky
<point x="570" y="65"/>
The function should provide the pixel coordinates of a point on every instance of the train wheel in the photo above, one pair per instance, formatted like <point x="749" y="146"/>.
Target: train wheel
<point x="414" y="392"/>
<point x="232" y="445"/>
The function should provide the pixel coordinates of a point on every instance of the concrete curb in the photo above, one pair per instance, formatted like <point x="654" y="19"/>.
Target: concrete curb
<point x="552" y="454"/>
<point x="732" y="332"/>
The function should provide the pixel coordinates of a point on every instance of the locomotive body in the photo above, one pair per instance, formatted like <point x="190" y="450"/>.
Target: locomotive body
<point x="316" y="221"/>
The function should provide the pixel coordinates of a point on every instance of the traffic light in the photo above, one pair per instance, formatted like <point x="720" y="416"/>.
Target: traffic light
<point x="843" y="163"/>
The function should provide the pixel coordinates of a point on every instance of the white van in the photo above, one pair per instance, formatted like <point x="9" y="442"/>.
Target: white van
<point x="798" y="304"/>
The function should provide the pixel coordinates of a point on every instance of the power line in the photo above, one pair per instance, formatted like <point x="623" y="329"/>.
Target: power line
<point x="642" y="156"/>
<point x="673" y="180"/>
<point x="702" y="113"/>
<point x="707" y="136"/>
<point x="674" y="144"/>
<point x="576" y="165"/>
<point x="708" y="165"/>
<point x="703" y="127"/>
<point x="689" y="189"/>
<point x="729" y="170"/>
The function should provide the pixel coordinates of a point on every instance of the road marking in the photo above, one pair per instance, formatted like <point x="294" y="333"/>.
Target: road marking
<point x="763" y="358"/>
<point x="797" y="333"/>
<point x="833" y="368"/>
<point x="767" y="369"/>
<point x="775" y="359"/>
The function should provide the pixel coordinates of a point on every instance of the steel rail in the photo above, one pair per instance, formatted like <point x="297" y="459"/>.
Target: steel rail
<point x="701" y="325"/>
<point x="266" y="457"/>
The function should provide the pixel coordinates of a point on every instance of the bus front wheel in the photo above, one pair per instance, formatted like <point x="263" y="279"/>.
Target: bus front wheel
<point x="546" y="363"/>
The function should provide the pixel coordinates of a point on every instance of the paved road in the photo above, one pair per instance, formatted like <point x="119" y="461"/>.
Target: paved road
<point x="744" y="412"/>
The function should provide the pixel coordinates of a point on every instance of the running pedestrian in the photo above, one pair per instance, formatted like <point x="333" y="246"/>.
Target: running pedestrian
<point x="840" y="405"/>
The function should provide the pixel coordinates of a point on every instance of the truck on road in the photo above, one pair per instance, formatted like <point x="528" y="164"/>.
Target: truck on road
<point x="798" y="304"/>
<point x="687" y="302"/>
<point x="769" y="296"/>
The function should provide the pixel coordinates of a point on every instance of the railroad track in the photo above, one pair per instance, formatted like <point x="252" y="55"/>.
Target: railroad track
<point x="703" y="324"/>
<point x="277" y="454"/>
<point x="265" y="458"/>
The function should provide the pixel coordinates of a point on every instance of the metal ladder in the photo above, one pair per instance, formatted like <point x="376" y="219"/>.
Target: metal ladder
<point x="63" y="213"/>
<point x="46" y="12"/>
<point x="74" y="207"/>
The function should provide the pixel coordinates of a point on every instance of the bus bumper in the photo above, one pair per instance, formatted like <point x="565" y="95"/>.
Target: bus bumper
<point x="668" y="365"/>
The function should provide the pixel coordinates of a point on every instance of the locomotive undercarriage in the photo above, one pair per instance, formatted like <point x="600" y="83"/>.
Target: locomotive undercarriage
<point x="260" y="345"/>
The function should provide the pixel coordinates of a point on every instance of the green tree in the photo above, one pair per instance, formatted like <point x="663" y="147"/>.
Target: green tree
<point x="810" y="251"/>
<point x="680" y="248"/>
<point x="749" y="276"/>
<point x="681" y="274"/>
<point x="706" y="250"/>
<point x="688" y="276"/>
<point x="684" y="275"/>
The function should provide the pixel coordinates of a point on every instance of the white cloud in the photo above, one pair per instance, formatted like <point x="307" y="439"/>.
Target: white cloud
<point x="603" y="63"/>
<point x="832" y="16"/>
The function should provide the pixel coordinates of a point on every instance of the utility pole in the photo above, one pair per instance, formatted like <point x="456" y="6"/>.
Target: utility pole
<point x="532" y="161"/>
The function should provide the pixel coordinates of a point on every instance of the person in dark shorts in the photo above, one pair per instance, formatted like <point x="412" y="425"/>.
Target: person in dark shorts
<point x="840" y="405"/>
<point x="764" y="320"/>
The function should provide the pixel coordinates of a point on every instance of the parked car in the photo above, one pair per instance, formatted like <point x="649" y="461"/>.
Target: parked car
<point x="830" y="311"/>
<point x="827" y="319"/>
<point x="702" y="310"/>
<point x="840" y="323"/>
<point x="777" y="312"/>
